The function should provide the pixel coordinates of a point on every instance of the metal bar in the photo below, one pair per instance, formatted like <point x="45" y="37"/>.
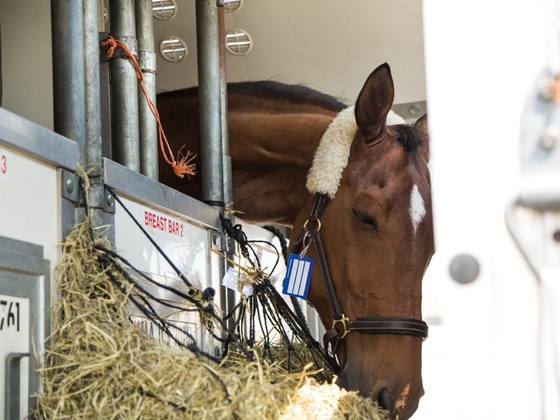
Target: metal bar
<point x="228" y="296"/>
<point x="147" y="61"/>
<point x="92" y="86"/>
<point x="34" y="140"/>
<point x="138" y="187"/>
<point x="124" y="87"/>
<point x="101" y="15"/>
<point x="105" y="94"/>
<point x="12" y="395"/>
<point x="68" y="71"/>
<point x="209" y="97"/>
<point x="228" y="186"/>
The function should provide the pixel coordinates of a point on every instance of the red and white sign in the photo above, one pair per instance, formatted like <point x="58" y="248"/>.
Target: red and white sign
<point x="163" y="223"/>
<point x="4" y="166"/>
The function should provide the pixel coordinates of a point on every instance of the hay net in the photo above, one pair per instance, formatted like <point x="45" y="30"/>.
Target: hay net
<point x="100" y="364"/>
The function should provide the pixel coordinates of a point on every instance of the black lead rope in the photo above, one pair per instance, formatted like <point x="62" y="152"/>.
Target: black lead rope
<point x="208" y="292"/>
<point x="267" y="300"/>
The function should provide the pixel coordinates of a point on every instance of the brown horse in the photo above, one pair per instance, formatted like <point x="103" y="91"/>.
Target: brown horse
<point x="376" y="226"/>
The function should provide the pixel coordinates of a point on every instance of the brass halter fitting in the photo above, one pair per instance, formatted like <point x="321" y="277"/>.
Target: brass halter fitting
<point x="318" y="224"/>
<point x="343" y="320"/>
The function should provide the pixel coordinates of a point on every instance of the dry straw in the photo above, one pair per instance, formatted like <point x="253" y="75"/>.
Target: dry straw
<point x="100" y="366"/>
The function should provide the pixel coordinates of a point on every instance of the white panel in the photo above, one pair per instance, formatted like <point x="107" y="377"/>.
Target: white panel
<point x="482" y="59"/>
<point x="185" y="244"/>
<point x="549" y="351"/>
<point x="29" y="203"/>
<point x="188" y="248"/>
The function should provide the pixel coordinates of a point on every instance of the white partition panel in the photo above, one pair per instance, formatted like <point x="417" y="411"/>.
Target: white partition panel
<point x="483" y="357"/>
<point x="33" y="216"/>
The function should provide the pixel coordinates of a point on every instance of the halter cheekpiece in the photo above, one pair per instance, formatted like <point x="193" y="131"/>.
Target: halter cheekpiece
<point x="342" y="325"/>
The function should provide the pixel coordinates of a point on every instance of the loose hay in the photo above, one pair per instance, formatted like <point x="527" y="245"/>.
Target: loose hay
<point x="101" y="366"/>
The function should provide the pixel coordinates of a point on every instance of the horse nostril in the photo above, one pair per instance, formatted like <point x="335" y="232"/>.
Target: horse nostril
<point x="384" y="399"/>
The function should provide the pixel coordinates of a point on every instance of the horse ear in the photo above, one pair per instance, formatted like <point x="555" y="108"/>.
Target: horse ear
<point x="422" y="125"/>
<point x="375" y="101"/>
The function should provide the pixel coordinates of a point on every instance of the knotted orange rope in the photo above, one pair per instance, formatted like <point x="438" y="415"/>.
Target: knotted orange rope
<point x="183" y="166"/>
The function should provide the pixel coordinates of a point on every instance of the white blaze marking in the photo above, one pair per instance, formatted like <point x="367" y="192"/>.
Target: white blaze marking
<point x="417" y="209"/>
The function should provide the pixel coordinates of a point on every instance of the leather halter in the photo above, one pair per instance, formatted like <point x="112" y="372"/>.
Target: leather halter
<point x="341" y="325"/>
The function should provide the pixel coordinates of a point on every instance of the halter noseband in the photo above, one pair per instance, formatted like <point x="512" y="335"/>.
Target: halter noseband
<point x="342" y="325"/>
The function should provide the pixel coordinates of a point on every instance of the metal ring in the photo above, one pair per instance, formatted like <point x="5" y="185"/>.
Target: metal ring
<point x="305" y="246"/>
<point x="318" y="224"/>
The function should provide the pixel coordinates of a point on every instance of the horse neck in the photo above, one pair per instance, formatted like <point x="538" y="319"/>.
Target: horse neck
<point x="271" y="153"/>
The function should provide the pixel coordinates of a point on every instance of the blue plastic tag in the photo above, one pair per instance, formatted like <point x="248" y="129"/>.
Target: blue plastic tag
<point x="298" y="276"/>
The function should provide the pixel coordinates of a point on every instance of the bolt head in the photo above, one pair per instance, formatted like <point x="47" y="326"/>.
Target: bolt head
<point x="69" y="185"/>
<point x="414" y="110"/>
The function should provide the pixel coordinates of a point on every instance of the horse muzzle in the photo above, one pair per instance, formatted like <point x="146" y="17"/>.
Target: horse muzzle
<point x="401" y="404"/>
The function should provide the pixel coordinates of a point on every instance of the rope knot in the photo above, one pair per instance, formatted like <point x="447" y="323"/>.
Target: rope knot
<point x="236" y="232"/>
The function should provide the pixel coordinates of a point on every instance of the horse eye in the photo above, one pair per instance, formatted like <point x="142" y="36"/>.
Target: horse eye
<point x="364" y="219"/>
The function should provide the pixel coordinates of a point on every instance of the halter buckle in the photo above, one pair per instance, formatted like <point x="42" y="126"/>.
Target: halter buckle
<point x="343" y="320"/>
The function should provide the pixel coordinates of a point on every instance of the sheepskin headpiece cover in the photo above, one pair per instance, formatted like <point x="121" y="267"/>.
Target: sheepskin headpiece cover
<point x="331" y="157"/>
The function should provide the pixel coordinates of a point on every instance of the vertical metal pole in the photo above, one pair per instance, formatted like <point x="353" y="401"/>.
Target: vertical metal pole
<point x="147" y="61"/>
<point x="228" y="187"/>
<point x="124" y="87"/>
<point x="210" y="97"/>
<point x="96" y="194"/>
<point x="92" y="93"/>
<point x="104" y="86"/>
<point x="101" y="16"/>
<point x="228" y="298"/>
<point x="68" y="71"/>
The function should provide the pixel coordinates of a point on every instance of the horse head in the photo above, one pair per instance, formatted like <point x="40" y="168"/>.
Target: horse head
<point x="377" y="234"/>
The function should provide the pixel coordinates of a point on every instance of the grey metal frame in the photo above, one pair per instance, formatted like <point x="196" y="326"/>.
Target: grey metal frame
<point x="37" y="141"/>
<point x="124" y="87"/>
<point x="211" y="153"/>
<point x="68" y="71"/>
<point x="133" y="185"/>
<point x="21" y="268"/>
<point x="147" y="62"/>
<point x="93" y="147"/>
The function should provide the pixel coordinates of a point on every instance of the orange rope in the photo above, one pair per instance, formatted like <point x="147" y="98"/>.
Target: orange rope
<point x="183" y="166"/>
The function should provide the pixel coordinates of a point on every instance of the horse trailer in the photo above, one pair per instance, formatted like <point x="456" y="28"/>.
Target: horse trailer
<point x="485" y="72"/>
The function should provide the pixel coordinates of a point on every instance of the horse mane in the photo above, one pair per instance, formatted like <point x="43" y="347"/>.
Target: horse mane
<point x="269" y="91"/>
<point x="410" y="138"/>
<point x="297" y="94"/>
